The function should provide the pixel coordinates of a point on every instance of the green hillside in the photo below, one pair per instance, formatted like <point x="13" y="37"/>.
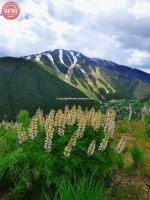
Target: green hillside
<point x="126" y="87"/>
<point x="28" y="85"/>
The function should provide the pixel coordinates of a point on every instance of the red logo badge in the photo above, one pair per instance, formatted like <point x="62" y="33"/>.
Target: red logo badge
<point x="10" y="10"/>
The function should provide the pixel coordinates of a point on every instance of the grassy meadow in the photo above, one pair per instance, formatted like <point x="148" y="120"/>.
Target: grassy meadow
<point x="74" y="154"/>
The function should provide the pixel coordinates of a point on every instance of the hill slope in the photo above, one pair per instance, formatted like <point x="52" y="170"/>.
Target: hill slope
<point x="28" y="85"/>
<point x="95" y="77"/>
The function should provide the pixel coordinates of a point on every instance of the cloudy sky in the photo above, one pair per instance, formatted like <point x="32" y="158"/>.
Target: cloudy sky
<point x="117" y="30"/>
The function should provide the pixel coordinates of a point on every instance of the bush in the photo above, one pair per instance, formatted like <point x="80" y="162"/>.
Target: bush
<point x="137" y="155"/>
<point x="34" y="169"/>
<point x="147" y="119"/>
<point x="147" y="125"/>
<point x="23" y="117"/>
<point x="28" y="168"/>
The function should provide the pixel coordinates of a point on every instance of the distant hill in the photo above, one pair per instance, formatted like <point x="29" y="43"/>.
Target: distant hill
<point x="28" y="85"/>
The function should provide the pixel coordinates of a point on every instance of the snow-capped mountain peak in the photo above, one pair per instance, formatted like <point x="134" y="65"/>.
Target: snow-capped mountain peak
<point x="69" y="61"/>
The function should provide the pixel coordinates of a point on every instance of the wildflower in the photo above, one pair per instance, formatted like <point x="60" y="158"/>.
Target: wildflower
<point x="70" y="145"/>
<point x="49" y="129"/>
<point x="121" y="144"/>
<point x="48" y="139"/>
<point x="33" y="128"/>
<point x="91" y="114"/>
<point x="49" y="121"/>
<point x="104" y="143"/>
<point x="66" y="110"/>
<point x="96" y="120"/>
<point x="91" y="148"/>
<point x="39" y="116"/>
<point x="22" y="136"/>
<point x="79" y="112"/>
<point x="109" y="122"/>
<point x="56" y="119"/>
<point x="60" y="121"/>
<point x="48" y="144"/>
<point x="71" y="116"/>
<point x="81" y="126"/>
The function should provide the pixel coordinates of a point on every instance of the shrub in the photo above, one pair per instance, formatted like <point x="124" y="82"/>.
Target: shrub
<point x="61" y="144"/>
<point x="137" y="155"/>
<point x="147" y="119"/>
<point x="23" y="117"/>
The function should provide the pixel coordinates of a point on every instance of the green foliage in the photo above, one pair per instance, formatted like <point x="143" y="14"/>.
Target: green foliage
<point x="123" y="129"/>
<point x="147" y="131"/>
<point x="27" y="172"/>
<point x="147" y="125"/>
<point x="83" y="188"/>
<point x="147" y="119"/>
<point x="122" y="108"/>
<point x="73" y="81"/>
<point x="24" y="118"/>
<point x="120" y="161"/>
<point x="137" y="155"/>
<point x="8" y="140"/>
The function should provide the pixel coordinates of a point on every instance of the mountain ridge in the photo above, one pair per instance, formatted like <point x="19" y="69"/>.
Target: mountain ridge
<point x="93" y="76"/>
<point x="95" y="59"/>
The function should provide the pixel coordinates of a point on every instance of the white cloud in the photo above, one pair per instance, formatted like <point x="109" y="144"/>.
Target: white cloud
<point x="141" y="9"/>
<point x="97" y="7"/>
<point x="138" y="57"/>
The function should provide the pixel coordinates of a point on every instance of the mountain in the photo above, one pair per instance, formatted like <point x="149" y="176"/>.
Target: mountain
<point x="29" y="85"/>
<point x="39" y="80"/>
<point x="97" y="78"/>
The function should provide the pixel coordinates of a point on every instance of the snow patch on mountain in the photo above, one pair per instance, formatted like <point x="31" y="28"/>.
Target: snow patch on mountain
<point x="38" y="57"/>
<point x="61" y="57"/>
<point x="82" y="70"/>
<point x="67" y="76"/>
<point x="28" y="57"/>
<point x="74" y="57"/>
<point x="73" y="64"/>
<point x="75" y="60"/>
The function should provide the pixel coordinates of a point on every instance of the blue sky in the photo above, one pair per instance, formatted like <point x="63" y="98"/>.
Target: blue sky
<point x="117" y="30"/>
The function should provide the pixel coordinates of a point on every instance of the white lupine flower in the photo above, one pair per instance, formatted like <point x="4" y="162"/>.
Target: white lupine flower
<point x="91" y="148"/>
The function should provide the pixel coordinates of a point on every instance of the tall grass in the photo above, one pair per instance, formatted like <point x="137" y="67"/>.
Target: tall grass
<point x="137" y="155"/>
<point x="85" y="188"/>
